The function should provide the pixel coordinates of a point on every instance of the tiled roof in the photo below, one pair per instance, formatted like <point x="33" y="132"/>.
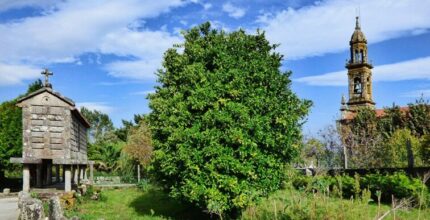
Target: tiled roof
<point x="379" y="113"/>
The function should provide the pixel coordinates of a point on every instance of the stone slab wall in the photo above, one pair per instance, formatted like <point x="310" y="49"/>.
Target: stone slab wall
<point x="51" y="131"/>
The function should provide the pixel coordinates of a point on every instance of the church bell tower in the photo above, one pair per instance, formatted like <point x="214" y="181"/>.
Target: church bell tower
<point x="359" y="72"/>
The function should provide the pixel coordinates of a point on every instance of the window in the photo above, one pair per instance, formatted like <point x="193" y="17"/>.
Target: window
<point x="357" y="57"/>
<point x="357" y="85"/>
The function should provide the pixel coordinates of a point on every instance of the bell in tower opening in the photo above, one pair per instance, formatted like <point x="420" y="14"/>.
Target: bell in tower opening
<point x="359" y="72"/>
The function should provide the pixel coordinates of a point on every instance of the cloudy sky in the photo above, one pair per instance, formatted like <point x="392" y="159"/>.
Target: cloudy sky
<point x="104" y="53"/>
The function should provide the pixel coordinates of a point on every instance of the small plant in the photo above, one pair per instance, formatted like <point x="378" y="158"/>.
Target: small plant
<point x="144" y="185"/>
<point x="357" y="188"/>
<point x="34" y="195"/>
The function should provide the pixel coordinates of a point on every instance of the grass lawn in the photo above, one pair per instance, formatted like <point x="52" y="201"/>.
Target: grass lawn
<point x="133" y="203"/>
<point x="293" y="204"/>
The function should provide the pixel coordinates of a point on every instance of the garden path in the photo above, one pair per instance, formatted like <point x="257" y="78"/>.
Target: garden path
<point x="9" y="208"/>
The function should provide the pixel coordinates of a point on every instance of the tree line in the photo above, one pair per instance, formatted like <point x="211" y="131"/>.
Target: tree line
<point x="398" y="139"/>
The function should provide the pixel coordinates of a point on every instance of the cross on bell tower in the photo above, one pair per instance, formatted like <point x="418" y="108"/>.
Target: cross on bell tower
<point x="47" y="73"/>
<point x="359" y="71"/>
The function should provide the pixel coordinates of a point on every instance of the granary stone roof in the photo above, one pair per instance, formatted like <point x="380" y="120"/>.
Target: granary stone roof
<point x="49" y="90"/>
<point x="70" y="102"/>
<point x="358" y="36"/>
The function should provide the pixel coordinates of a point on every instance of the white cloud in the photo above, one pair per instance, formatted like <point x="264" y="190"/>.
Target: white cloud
<point x="407" y="70"/>
<point x="417" y="93"/>
<point x="78" y="27"/>
<point x="207" y="6"/>
<point x="11" y="4"/>
<point x="327" y="26"/>
<point x="99" y="106"/>
<point x="233" y="11"/>
<point x="140" y="69"/>
<point x="15" y="74"/>
<point x="144" y="93"/>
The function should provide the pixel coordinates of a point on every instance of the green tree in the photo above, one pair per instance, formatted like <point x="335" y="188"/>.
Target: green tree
<point x="393" y="120"/>
<point x="101" y="124"/>
<point x="224" y="120"/>
<point x="104" y="146"/>
<point x="425" y="150"/>
<point x="364" y="140"/>
<point x="419" y="117"/>
<point x="397" y="148"/>
<point x="11" y="129"/>
<point x="139" y="144"/>
<point x="127" y="126"/>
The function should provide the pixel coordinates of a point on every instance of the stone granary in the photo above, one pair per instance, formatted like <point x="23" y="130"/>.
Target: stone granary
<point x="54" y="135"/>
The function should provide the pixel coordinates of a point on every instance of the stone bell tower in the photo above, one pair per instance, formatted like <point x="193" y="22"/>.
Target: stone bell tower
<point x="359" y="72"/>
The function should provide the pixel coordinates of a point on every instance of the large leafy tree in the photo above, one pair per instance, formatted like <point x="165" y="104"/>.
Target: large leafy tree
<point x="224" y="120"/>
<point x="11" y="129"/>
<point x="139" y="143"/>
<point x="101" y="124"/>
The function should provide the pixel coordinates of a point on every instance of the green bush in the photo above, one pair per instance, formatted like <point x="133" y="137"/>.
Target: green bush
<point x="301" y="182"/>
<point x="398" y="184"/>
<point x="224" y="120"/>
<point x="144" y="185"/>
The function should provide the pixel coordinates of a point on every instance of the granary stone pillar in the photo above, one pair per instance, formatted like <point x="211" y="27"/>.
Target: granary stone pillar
<point x="67" y="178"/>
<point x="81" y="172"/>
<point x="76" y="177"/>
<point x="63" y="172"/>
<point x="39" y="175"/>
<point x="57" y="173"/>
<point x="26" y="178"/>
<point x="48" y="174"/>
<point x="92" y="172"/>
<point x="72" y="170"/>
<point x="85" y="172"/>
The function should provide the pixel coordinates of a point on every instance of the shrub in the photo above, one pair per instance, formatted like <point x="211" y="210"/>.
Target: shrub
<point x="144" y="185"/>
<point x="398" y="184"/>
<point x="224" y="120"/>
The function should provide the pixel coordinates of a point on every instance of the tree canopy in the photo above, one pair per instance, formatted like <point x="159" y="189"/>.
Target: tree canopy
<point x="224" y="120"/>
<point x="11" y="128"/>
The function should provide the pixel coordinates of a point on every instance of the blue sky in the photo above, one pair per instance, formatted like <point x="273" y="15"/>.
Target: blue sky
<point x="104" y="53"/>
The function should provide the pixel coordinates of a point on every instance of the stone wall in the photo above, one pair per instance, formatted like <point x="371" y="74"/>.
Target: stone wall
<point x="44" y="131"/>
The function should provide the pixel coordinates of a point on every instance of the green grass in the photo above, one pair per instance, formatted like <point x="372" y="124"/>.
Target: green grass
<point x="293" y="204"/>
<point x="133" y="203"/>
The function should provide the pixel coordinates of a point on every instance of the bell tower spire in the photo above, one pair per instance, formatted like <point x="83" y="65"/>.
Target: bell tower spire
<point x="359" y="71"/>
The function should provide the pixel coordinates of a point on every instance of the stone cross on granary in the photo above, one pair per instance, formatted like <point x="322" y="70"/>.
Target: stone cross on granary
<point x="47" y="73"/>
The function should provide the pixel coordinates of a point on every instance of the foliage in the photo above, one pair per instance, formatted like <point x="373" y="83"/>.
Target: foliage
<point x="397" y="184"/>
<point x="224" y="120"/>
<point x="397" y="149"/>
<point x="11" y="129"/>
<point x="104" y="147"/>
<point x="419" y="117"/>
<point x="364" y="141"/>
<point x="139" y="144"/>
<point x="313" y="152"/>
<point x="295" y="204"/>
<point x="144" y="185"/>
<point x="324" y="152"/>
<point x="425" y="149"/>
<point x="107" y="156"/>
<point x="101" y="124"/>
<point x="123" y="132"/>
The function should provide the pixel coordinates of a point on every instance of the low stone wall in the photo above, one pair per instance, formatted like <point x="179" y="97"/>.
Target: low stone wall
<point x="105" y="180"/>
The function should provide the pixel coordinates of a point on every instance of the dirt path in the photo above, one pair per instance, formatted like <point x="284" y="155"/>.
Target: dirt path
<point x="9" y="208"/>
